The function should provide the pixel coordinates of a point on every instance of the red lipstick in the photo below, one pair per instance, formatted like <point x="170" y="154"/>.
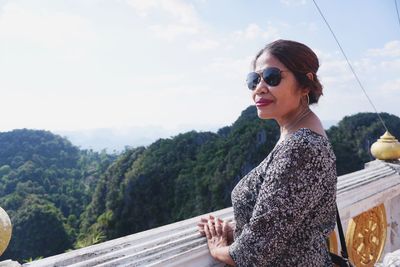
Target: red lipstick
<point x="263" y="102"/>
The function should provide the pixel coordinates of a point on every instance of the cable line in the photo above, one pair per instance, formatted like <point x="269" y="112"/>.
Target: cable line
<point x="351" y="67"/>
<point x="397" y="10"/>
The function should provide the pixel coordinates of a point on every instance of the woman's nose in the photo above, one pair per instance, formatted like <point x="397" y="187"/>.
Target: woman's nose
<point x="262" y="87"/>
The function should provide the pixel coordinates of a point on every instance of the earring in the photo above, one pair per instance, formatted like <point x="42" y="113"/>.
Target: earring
<point x="307" y="102"/>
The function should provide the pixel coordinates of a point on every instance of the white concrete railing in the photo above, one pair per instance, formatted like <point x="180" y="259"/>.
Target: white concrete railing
<point x="179" y="244"/>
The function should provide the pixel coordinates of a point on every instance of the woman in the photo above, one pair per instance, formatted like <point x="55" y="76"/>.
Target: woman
<point x="285" y="207"/>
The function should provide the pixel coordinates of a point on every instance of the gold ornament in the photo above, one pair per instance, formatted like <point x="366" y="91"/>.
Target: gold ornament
<point x="332" y="243"/>
<point x="5" y="230"/>
<point x="366" y="236"/>
<point x="386" y="148"/>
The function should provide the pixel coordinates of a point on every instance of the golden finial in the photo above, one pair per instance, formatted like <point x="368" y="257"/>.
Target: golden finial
<point x="5" y="230"/>
<point x="386" y="148"/>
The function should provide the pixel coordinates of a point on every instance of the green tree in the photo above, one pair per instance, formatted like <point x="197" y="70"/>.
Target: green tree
<point x="353" y="136"/>
<point x="38" y="230"/>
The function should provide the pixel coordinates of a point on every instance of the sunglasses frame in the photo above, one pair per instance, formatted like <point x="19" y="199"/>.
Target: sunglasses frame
<point x="260" y="75"/>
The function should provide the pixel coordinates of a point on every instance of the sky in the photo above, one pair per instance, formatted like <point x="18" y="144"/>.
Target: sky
<point x="115" y="73"/>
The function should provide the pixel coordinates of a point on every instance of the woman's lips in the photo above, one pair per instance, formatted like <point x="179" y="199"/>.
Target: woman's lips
<point x="263" y="102"/>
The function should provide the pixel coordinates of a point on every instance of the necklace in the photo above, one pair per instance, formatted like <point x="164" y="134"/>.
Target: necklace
<point x="290" y="126"/>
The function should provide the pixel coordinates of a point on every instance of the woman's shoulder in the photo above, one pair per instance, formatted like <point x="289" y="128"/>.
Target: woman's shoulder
<point x="306" y="136"/>
<point x="305" y="141"/>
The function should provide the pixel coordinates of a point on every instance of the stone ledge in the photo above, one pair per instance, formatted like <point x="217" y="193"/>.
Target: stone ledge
<point x="9" y="263"/>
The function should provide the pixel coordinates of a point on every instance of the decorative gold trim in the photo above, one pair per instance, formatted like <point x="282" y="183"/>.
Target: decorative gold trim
<point x="366" y="236"/>
<point x="332" y="243"/>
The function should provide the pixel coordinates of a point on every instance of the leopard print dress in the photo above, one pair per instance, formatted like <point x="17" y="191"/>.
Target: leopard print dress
<point x="285" y="207"/>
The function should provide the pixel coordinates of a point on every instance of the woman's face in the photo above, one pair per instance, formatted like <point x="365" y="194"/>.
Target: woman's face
<point x="279" y="102"/>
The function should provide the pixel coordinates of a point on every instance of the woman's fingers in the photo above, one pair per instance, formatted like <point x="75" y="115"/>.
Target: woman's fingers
<point x="207" y="231"/>
<point x="211" y="227"/>
<point x="203" y="220"/>
<point x="218" y="226"/>
<point x="201" y="230"/>
<point x="214" y="225"/>
<point x="225" y="229"/>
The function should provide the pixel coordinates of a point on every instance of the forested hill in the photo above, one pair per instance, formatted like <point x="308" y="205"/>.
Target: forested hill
<point x="177" y="178"/>
<point x="354" y="135"/>
<point x="45" y="184"/>
<point x="194" y="173"/>
<point x="61" y="197"/>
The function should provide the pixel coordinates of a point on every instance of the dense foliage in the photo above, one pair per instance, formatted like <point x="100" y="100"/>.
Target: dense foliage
<point x="39" y="229"/>
<point x="177" y="178"/>
<point x="87" y="197"/>
<point x="45" y="184"/>
<point x="354" y="135"/>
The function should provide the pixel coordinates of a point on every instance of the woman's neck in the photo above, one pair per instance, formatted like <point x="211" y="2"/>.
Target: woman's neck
<point x="295" y="122"/>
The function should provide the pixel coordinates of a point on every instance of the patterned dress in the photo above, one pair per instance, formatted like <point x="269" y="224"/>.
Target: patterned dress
<point x="285" y="207"/>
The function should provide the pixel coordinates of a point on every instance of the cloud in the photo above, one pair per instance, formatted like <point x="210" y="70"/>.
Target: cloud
<point x="44" y="28"/>
<point x="171" y="31"/>
<point x="204" y="44"/>
<point x="390" y="87"/>
<point x="334" y="70"/>
<point x="390" y="49"/>
<point x="143" y="7"/>
<point x="253" y="31"/>
<point x="377" y="70"/>
<point x="310" y="26"/>
<point x="157" y="81"/>
<point x="181" y="18"/>
<point x="230" y="67"/>
<point x="391" y="65"/>
<point x="293" y="3"/>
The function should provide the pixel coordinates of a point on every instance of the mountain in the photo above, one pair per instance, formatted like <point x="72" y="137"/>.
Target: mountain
<point x="193" y="173"/>
<point x="177" y="178"/>
<point x="353" y="136"/>
<point x="61" y="197"/>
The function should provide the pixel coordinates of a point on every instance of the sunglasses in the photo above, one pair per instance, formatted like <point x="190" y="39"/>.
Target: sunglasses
<point x="272" y="76"/>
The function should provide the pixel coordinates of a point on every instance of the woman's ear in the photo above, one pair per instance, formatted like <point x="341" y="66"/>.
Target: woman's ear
<point x="310" y="76"/>
<point x="305" y="92"/>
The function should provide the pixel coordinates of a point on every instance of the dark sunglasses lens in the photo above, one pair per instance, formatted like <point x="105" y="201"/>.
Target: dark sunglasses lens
<point x="272" y="76"/>
<point x="252" y="80"/>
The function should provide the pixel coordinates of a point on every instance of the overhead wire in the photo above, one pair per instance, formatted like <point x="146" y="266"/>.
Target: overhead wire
<point x="397" y="10"/>
<point x="351" y="67"/>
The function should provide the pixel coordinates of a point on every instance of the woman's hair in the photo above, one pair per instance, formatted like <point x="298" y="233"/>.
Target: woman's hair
<point x="300" y="60"/>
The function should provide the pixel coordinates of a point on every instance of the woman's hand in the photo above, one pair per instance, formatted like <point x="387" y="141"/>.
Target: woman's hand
<point x="228" y="227"/>
<point x="216" y="234"/>
<point x="219" y="234"/>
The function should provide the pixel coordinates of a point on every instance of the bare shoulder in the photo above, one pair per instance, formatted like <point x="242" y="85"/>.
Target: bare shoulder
<point x="315" y="125"/>
<point x="319" y="130"/>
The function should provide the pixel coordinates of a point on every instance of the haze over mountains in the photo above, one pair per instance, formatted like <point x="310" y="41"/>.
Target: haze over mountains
<point x="118" y="139"/>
